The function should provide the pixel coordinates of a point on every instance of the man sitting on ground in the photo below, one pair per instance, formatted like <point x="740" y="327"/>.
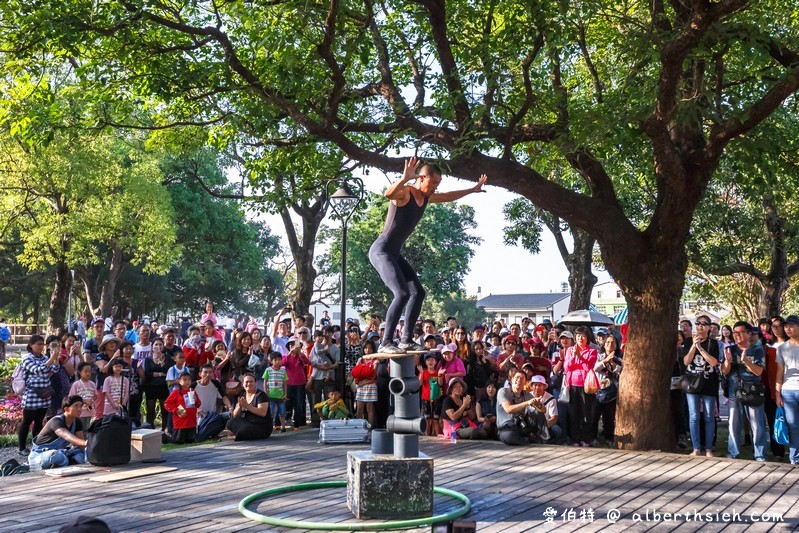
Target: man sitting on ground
<point x="513" y="403"/>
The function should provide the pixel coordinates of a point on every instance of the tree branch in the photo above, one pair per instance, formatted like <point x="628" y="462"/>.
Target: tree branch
<point x="757" y="113"/>
<point x="337" y="72"/>
<point x="387" y="86"/>
<point x="438" y="27"/>
<point x="739" y="268"/>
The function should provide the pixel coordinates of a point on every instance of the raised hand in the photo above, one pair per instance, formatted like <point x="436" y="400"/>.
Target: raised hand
<point x="480" y="183"/>
<point x="410" y="169"/>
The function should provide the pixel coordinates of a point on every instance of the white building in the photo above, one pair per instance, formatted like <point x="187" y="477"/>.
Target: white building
<point x="513" y="307"/>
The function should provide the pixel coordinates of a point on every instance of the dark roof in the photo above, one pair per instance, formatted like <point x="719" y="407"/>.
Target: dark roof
<point x="522" y="301"/>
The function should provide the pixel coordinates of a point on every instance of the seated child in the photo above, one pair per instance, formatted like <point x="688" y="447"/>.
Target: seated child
<point x="333" y="408"/>
<point x="182" y="403"/>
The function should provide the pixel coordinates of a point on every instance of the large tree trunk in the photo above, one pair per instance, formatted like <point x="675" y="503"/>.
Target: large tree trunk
<point x="770" y="301"/>
<point x="581" y="277"/>
<point x="302" y="248"/>
<point x="115" y="268"/>
<point x="653" y="284"/>
<point x="59" y="299"/>
<point x="775" y="281"/>
<point x="306" y="275"/>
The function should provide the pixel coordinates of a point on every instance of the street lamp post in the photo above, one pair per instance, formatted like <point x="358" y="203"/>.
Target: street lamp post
<point x="344" y="201"/>
<point x="72" y="284"/>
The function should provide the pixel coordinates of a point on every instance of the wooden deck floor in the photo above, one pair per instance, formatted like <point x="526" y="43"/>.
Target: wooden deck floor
<point x="510" y="489"/>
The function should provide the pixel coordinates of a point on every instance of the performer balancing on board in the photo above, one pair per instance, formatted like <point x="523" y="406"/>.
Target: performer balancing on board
<point x="407" y="206"/>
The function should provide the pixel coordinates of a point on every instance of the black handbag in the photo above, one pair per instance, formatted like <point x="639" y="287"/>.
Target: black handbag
<point x="693" y="382"/>
<point x="750" y="393"/>
<point x="607" y="394"/>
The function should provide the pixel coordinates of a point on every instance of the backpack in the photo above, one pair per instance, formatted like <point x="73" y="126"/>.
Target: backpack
<point x="5" y="334"/>
<point x="18" y="379"/>
<point x="435" y="389"/>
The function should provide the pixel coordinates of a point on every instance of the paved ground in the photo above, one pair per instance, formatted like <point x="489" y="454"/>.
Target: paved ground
<point x="512" y="489"/>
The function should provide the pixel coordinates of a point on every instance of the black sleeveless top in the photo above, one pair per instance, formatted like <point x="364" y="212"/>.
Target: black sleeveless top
<point x="400" y="223"/>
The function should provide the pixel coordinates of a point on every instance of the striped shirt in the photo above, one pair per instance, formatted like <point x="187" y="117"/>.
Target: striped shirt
<point x="37" y="376"/>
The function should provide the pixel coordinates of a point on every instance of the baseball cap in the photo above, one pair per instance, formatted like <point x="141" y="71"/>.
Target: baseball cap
<point x="479" y="326"/>
<point x="538" y="379"/>
<point x="428" y="337"/>
<point x="792" y="319"/>
<point x="96" y="320"/>
<point x="567" y="334"/>
<point x="511" y="338"/>
<point x="451" y="347"/>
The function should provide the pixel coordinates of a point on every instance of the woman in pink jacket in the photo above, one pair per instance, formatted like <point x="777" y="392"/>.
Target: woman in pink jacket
<point x="580" y="359"/>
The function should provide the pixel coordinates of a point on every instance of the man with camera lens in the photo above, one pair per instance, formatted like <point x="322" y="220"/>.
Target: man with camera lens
<point x="516" y="409"/>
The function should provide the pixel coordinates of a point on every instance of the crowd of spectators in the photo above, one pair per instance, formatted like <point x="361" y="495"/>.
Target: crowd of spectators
<point x="518" y="383"/>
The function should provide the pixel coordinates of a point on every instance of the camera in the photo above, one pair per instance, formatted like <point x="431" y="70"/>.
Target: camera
<point x="525" y="426"/>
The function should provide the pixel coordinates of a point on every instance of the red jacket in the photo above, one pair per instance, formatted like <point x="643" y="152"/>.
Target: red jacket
<point x="175" y="400"/>
<point x="195" y="358"/>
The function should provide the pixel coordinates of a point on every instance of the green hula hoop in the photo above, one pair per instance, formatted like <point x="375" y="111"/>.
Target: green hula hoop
<point x="394" y="524"/>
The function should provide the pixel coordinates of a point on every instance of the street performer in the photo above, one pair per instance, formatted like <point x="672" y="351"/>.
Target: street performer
<point x="407" y="206"/>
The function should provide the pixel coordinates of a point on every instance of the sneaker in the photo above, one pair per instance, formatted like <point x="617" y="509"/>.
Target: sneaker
<point x="410" y="346"/>
<point x="760" y="459"/>
<point x="25" y="452"/>
<point x="390" y="349"/>
<point x="694" y="453"/>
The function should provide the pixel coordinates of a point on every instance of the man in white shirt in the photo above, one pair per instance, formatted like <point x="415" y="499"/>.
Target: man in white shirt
<point x="208" y="393"/>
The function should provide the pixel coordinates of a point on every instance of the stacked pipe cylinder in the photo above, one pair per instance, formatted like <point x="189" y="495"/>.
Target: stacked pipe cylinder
<point x="405" y="424"/>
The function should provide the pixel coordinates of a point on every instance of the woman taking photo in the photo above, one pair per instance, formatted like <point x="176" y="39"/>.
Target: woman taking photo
<point x="59" y="380"/>
<point x="580" y="359"/>
<point x="153" y="375"/>
<point x="787" y="384"/>
<point x="702" y="359"/>
<point x="250" y="419"/>
<point x="607" y="370"/>
<point x="37" y="369"/>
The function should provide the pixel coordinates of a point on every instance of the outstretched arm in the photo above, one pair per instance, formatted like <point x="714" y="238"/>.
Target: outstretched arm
<point x="457" y="195"/>
<point x="398" y="191"/>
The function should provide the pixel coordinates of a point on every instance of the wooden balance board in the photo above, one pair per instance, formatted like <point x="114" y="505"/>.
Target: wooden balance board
<point x="380" y="355"/>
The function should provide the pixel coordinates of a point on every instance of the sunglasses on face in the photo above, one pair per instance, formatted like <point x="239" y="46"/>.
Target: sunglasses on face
<point x="703" y="324"/>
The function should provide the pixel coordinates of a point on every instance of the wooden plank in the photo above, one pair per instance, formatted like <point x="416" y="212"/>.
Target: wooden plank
<point x="133" y="474"/>
<point x="509" y="486"/>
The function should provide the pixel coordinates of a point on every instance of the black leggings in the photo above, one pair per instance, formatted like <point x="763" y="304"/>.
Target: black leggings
<point x="400" y="277"/>
<point x="247" y="430"/>
<point x="35" y="416"/>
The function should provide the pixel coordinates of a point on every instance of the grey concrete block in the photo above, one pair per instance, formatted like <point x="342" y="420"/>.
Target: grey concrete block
<point x="384" y="487"/>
